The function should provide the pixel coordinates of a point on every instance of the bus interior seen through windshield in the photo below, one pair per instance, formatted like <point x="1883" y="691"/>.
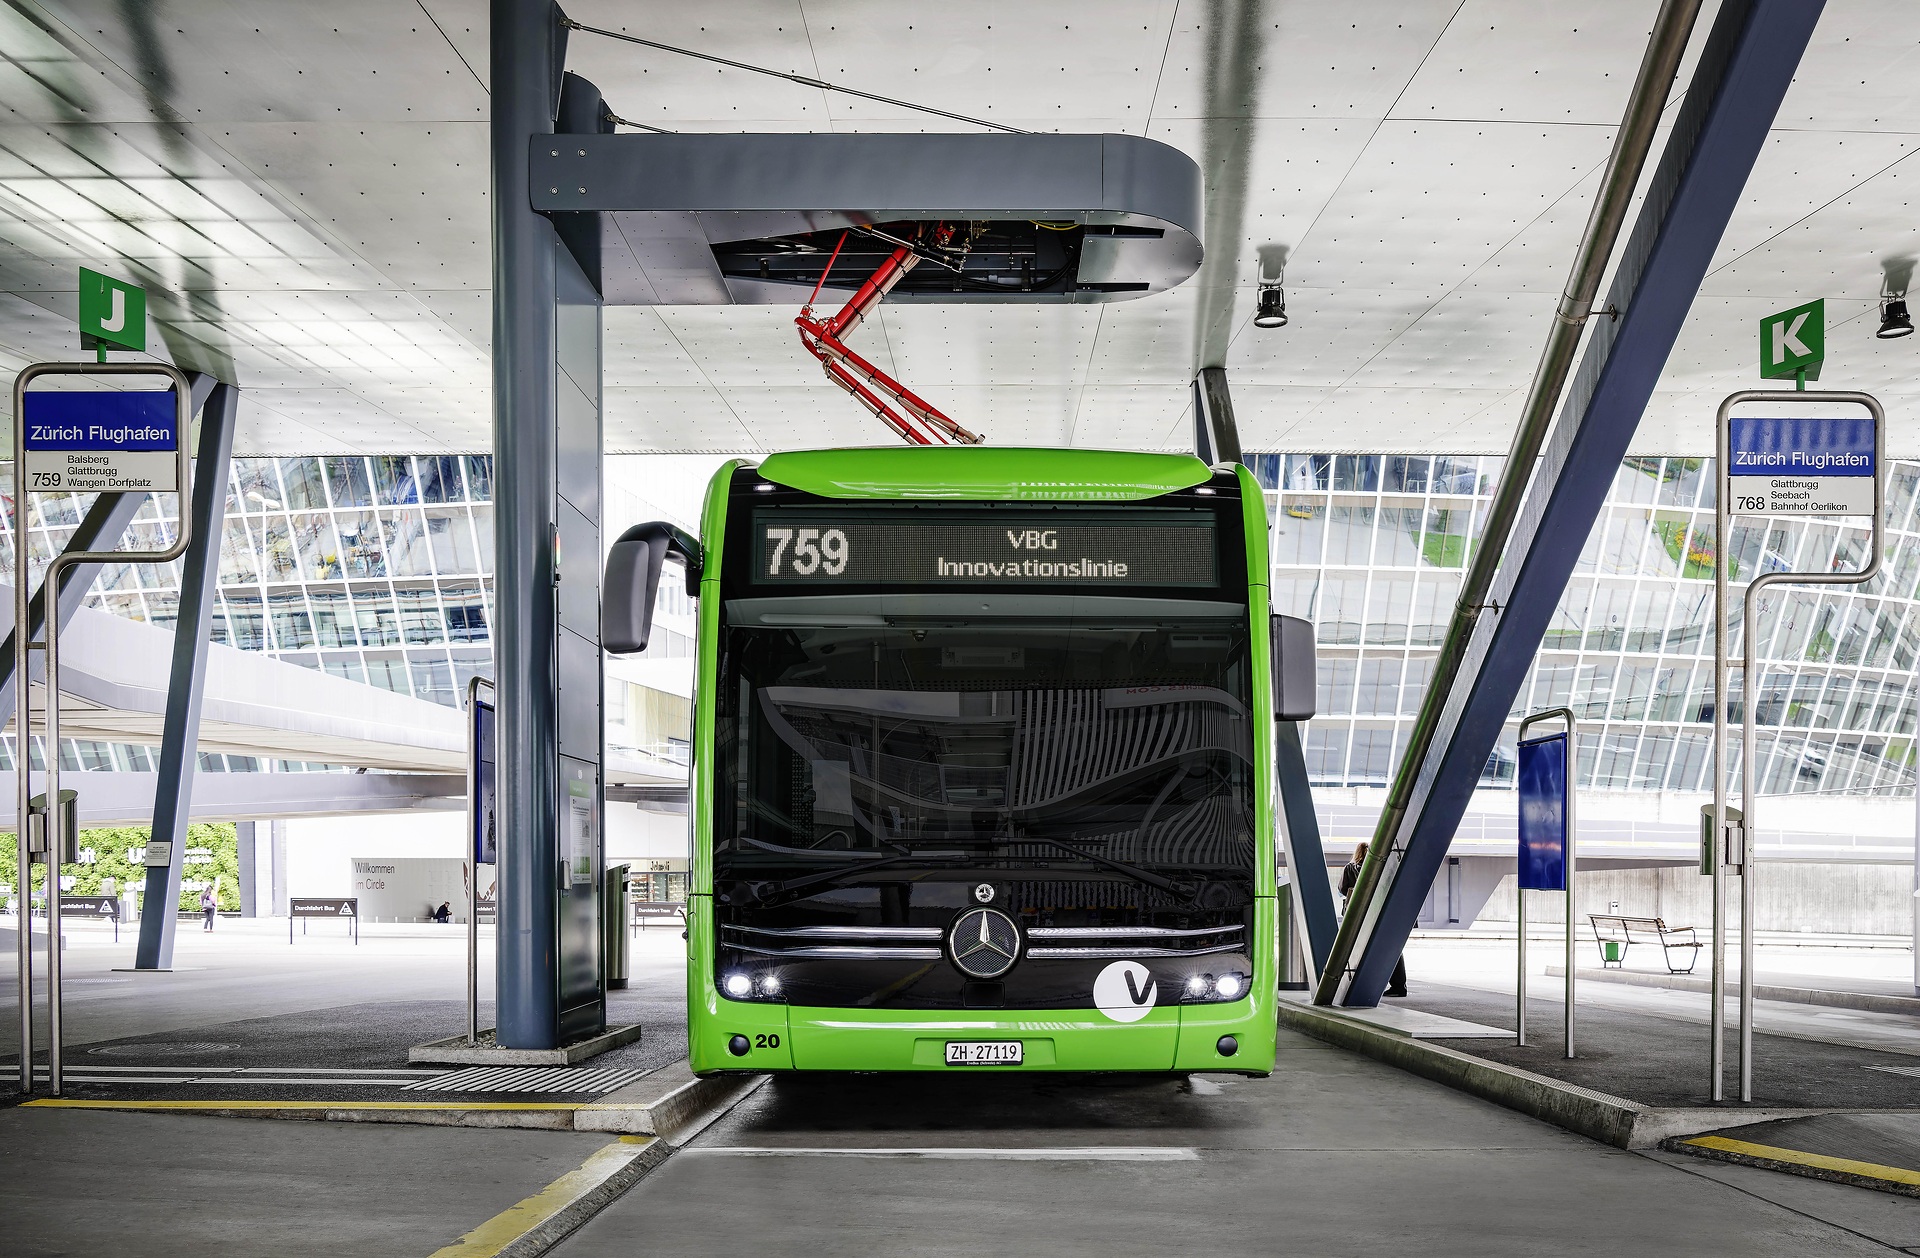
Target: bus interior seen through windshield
<point x="1098" y="772"/>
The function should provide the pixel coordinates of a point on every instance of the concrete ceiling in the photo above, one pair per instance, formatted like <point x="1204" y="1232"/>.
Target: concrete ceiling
<point x="303" y="190"/>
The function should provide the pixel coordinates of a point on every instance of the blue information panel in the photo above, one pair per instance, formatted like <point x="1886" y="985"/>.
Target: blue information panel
<point x="1800" y="466"/>
<point x="1543" y="813"/>
<point x="480" y="811"/>
<point x="98" y="441"/>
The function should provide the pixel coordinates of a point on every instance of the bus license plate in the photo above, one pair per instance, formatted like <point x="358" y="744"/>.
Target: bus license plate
<point x="983" y="1052"/>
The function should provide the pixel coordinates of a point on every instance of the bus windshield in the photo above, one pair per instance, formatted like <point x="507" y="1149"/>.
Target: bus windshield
<point x="1114" y="746"/>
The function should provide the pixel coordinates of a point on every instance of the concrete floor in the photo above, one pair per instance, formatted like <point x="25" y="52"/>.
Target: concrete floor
<point x="73" y="1182"/>
<point x="1333" y="1155"/>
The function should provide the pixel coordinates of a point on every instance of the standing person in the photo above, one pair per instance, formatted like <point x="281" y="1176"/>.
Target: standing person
<point x="1349" y="879"/>
<point x="207" y="905"/>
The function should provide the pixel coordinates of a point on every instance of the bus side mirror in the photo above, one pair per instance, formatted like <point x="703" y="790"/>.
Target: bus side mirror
<point x="1293" y="669"/>
<point x="633" y="579"/>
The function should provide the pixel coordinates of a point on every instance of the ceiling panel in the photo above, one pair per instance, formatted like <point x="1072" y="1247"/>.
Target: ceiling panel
<point x="303" y="190"/>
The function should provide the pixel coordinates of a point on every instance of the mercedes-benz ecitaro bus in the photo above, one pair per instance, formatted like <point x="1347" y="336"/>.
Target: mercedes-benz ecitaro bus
<point x="975" y="776"/>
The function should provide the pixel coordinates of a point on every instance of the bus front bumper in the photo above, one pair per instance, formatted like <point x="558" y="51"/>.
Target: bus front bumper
<point x="1225" y="1038"/>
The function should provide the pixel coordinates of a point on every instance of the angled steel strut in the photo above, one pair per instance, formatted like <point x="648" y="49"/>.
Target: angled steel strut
<point x="896" y="406"/>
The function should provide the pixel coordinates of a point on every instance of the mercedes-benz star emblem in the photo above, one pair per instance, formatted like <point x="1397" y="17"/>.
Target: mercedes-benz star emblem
<point x="983" y="943"/>
<point x="984" y="893"/>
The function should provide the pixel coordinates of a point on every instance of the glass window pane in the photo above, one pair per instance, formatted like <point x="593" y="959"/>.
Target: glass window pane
<point x="480" y="477"/>
<point x="379" y="623"/>
<point x="421" y="622"/>
<point x="393" y="480"/>
<point x="409" y="554"/>
<point x="347" y="477"/>
<point x="439" y="477"/>
<point x="319" y="548"/>
<point x="451" y="539"/>
<point x="1299" y="530"/>
<point x="306" y="485"/>
<point x="361" y="551"/>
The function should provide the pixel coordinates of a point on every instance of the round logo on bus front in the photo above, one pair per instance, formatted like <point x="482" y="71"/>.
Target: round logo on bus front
<point x="983" y="943"/>
<point x="1125" y="991"/>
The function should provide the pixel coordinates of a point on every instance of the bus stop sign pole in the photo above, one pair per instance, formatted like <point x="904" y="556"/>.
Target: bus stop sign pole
<point x="1545" y="778"/>
<point x="1774" y="467"/>
<point x="77" y="441"/>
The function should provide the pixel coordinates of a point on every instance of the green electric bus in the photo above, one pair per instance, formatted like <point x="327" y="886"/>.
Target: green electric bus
<point x="979" y="761"/>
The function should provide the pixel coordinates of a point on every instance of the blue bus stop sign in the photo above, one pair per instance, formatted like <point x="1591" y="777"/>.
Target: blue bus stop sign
<point x="486" y="850"/>
<point x="1543" y="813"/>
<point x="98" y="441"/>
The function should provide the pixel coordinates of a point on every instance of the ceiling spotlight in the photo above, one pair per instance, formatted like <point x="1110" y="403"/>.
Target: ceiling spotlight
<point x="1272" y="309"/>
<point x="1895" y="322"/>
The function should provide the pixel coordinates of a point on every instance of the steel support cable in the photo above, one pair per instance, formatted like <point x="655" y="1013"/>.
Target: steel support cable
<point x="801" y="79"/>
<point x="1631" y="144"/>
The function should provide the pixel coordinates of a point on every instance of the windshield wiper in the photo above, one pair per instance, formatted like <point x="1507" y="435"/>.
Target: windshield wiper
<point x="761" y="892"/>
<point x="1135" y="872"/>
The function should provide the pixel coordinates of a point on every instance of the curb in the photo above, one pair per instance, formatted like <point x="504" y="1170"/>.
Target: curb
<point x="1601" y="1116"/>
<point x="1891" y="1179"/>
<point x="1865" y="1002"/>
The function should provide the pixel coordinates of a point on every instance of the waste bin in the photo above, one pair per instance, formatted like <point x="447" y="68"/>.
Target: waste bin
<point x="613" y="925"/>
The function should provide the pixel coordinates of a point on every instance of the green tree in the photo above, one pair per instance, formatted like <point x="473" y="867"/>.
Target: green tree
<point x="213" y="856"/>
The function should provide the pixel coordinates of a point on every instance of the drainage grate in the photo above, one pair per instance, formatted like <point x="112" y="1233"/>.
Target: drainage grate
<point x="190" y="1049"/>
<point x="528" y="1079"/>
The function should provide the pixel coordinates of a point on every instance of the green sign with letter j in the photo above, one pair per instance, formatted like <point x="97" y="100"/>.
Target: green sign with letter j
<point x="112" y="312"/>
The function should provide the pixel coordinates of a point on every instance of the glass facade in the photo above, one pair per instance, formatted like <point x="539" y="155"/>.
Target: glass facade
<point x="1371" y="549"/>
<point x="378" y="569"/>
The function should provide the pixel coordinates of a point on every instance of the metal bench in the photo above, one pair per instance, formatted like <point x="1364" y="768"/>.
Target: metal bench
<point x="645" y="910"/>
<point x="1627" y="931"/>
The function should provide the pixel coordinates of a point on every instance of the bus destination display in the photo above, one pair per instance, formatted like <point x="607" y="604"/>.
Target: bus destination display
<point x="814" y="548"/>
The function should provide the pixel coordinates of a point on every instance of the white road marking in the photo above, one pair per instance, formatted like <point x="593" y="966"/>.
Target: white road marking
<point x="1095" y="1153"/>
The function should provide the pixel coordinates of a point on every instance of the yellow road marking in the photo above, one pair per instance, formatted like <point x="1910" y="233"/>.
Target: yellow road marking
<point x="522" y="1217"/>
<point x="1867" y="1170"/>
<point x="61" y="1102"/>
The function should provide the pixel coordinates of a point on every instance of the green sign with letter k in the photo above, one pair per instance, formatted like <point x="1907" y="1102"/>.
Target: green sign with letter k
<point x="1793" y="343"/>
<point x="112" y="312"/>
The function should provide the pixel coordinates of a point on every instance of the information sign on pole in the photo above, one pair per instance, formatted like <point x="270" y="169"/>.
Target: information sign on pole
<point x="1793" y="343"/>
<point x="1545" y="785"/>
<point x="102" y="442"/>
<point x="1800" y="466"/>
<point x="79" y="440"/>
<point x="1772" y="467"/>
<point x="482" y="847"/>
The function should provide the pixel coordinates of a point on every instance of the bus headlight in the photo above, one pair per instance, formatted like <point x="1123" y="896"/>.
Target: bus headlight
<point x="770" y="985"/>
<point x="1229" y="986"/>
<point x="1198" y="986"/>
<point x="737" y="985"/>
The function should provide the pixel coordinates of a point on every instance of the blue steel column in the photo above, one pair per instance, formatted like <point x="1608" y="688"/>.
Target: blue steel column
<point x="1745" y="68"/>
<point x="527" y="45"/>
<point x="180" y="739"/>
